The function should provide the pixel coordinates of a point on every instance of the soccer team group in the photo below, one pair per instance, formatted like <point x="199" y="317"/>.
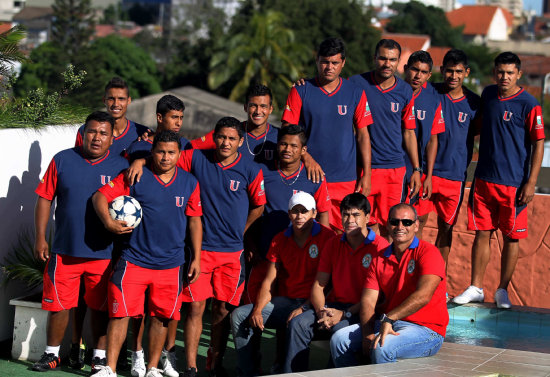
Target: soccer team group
<point x="314" y="229"/>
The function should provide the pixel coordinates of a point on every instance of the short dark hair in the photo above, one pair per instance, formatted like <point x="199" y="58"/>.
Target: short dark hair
<point x="166" y="137"/>
<point x="117" y="82"/>
<point x="332" y="46"/>
<point x="403" y="205"/>
<point x="422" y="57"/>
<point x="455" y="57"/>
<point x="229" y="122"/>
<point x="387" y="43"/>
<point x="355" y="200"/>
<point x="168" y="103"/>
<point x="101" y="117"/>
<point x="258" y="90"/>
<point x="293" y="129"/>
<point x="508" y="57"/>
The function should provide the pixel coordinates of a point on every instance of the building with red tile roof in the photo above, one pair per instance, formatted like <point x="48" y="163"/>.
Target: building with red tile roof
<point x="482" y="22"/>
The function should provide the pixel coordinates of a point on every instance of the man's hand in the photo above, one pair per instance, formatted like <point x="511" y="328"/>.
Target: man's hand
<point x="363" y="186"/>
<point x="330" y="317"/>
<point x="41" y="249"/>
<point x="194" y="271"/>
<point x="300" y="82"/>
<point x="314" y="171"/>
<point x="118" y="227"/>
<point x="527" y="193"/>
<point x="135" y="171"/>
<point x="295" y="313"/>
<point x="146" y="134"/>
<point x="427" y="188"/>
<point x="385" y="329"/>
<point x="414" y="185"/>
<point x="256" y="320"/>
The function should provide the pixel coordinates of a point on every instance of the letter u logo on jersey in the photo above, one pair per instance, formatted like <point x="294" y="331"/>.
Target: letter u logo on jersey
<point x="234" y="185"/>
<point x="507" y="116"/>
<point x="268" y="155"/>
<point x="180" y="200"/>
<point x="462" y="117"/>
<point x="420" y="114"/>
<point x="394" y="107"/>
<point x="342" y="109"/>
<point x="105" y="179"/>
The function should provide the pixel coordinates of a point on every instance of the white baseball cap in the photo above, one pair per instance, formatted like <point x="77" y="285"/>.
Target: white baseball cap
<point x="302" y="198"/>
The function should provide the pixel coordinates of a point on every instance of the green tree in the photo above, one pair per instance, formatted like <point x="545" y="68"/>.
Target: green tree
<point x="73" y="25"/>
<point x="267" y="53"/>
<point x="9" y="48"/>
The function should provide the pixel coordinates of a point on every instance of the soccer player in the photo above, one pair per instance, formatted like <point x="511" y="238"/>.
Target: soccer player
<point x="155" y="252"/>
<point x="293" y="259"/>
<point x="429" y="121"/>
<point x="116" y="100"/>
<point x="505" y="179"/>
<point x="344" y="262"/>
<point x="81" y="247"/>
<point x="391" y="101"/>
<point x="454" y="150"/>
<point x="406" y="281"/>
<point x="335" y="114"/>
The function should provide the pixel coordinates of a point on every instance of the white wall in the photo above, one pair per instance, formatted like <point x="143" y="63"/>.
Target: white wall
<point x="25" y="154"/>
<point x="498" y="30"/>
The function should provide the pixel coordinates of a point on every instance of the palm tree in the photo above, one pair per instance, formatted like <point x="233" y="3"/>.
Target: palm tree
<point x="265" y="53"/>
<point x="9" y="48"/>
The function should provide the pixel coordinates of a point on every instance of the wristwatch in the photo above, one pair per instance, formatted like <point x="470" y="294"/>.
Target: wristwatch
<point x="347" y="314"/>
<point x="418" y="169"/>
<point x="387" y="319"/>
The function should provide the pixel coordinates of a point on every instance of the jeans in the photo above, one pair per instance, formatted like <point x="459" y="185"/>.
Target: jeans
<point x="300" y="332"/>
<point x="246" y="339"/>
<point x="413" y="341"/>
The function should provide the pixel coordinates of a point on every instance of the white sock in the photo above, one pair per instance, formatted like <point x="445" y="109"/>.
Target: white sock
<point x="139" y="353"/>
<point x="99" y="353"/>
<point x="52" y="349"/>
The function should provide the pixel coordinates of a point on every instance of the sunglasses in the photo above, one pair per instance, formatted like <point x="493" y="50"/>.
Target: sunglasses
<point x="405" y="222"/>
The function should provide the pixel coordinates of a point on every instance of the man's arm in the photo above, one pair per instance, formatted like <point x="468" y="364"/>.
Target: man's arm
<point x="101" y="206"/>
<point x="322" y="218"/>
<point x="317" y="292"/>
<point x="411" y="146"/>
<point x="264" y="296"/>
<point x="41" y="216"/>
<point x="253" y="214"/>
<point x="363" y="143"/>
<point x="368" y="303"/>
<point x="195" y="232"/>
<point x="431" y="153"/>
<point x="528" y="190"/>
<point x="135" y="171"/>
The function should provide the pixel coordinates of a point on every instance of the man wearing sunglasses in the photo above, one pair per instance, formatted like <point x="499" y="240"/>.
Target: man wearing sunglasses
<point x="405" y="283"/>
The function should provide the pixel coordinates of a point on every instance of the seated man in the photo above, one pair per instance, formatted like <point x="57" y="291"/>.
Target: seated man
<point x="407" y="282"/>
<point x="344" y="261"/>
<point x="293" y="257"/>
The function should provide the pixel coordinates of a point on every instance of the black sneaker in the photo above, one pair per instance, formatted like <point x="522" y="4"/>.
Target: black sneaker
<point x="96" y="361"/>
<point x="190" y="372"/>
<point x="76" y="357"/>
<point x="47" y="361"/>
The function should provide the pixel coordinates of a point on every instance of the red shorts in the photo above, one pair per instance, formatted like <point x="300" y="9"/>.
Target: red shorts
<point x="222" y="277"/>
<point x="386" y="191"/>
<point x="254" y="281"/>
<point x="127" y="291"/>
<point x="493" y="206"/>
<point x="62" y="282"/>
<point x="446" y="199"/>
<point x="338" y="191"/>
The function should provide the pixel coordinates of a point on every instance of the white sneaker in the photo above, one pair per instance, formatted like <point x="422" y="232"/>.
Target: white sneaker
<point x="471" y="294"/>
<point x="168" y="364"/>
<point x="138" y="364"/>
<point x="154" y="372"/>
<point x="501" y="299"/>
<point x="104" y="371"/>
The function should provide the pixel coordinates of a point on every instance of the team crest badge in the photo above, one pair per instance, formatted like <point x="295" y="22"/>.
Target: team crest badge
<point x="507" y="116"/>
<point x="462" y="117"/>
<point x="105" y="179"/>
<point x="411" y="266"/>
<point x="115" y="307"/>
<point x="180" y="200"/>
<point x="420" y="114"/>
<point x="367" y="109"/>
<point x="313" y="251"/>
<point x="111" y="184"/>
<point x="367" y="259"/>
<point x="42" y="180"/>
<point x="268" y="155"/>
<point x="539" y="123"/>
<point x="287" y="108"/>
<point x="234" y="185"/>
<point x="342" y="109"/>
<point x="203" y="139"/>
<point x="395" y="107"/>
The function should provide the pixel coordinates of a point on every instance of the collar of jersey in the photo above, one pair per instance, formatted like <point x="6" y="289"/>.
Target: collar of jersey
<point x="378" y="85"/>
<point x="231" y="164"/>
<point x="261" y="135"/>
<point x="510" y="97"/>
<point x="315" y="229"/>
<point x="371" y="236"/>
<point x="413" y="245"/>
<point x="287" y="177"/>
<point x="125" y="131"/>
<point x="334" y="91"/>
<point x="162" y="182"/>
<point x="96" y="161"/>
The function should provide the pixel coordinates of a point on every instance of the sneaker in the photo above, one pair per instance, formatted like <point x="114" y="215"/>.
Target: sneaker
<point x="501" y="299"/>
<point x="190" y="372"/>
<point x="154" y="372"/>
<point x="138" y="364"/>
<point x="47" y="361"/>
<point x="104" y="371"/>
<point x="471" y="294"/>
<point x="76" y="356"/>
<point x="98" y="364"/>
<point x="168" y="364"/>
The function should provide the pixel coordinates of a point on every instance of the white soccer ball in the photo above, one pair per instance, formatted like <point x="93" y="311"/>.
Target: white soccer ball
<point x="126" y="208"/>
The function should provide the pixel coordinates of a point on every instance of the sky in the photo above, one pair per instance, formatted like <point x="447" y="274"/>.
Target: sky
<point x="535" y="5"/>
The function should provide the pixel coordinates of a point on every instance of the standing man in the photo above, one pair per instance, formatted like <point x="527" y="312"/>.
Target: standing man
<point x="504" y="180"/>
<point x="82" y="247"/>
<point x="344" y="262"/>
<point x="335" y="115"/>
<point x="393" y="126"/>
<point x="407" y="282"/>
<point x="153" y="257"/>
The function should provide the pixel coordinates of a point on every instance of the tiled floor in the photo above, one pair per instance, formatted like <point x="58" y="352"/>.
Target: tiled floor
<point x="453" y="360"/>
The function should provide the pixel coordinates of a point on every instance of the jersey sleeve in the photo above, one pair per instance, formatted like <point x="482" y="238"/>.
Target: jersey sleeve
<point x="362" y="116"/>
<point x="204" y="142"/>
<point x="273" y="253"/>
<point x="535" y="123"/>
<point x="371" y="278"/>
<point x="438" y="125"/>
<point x="48" y="184"/>
<point x="256" y="191"/>
<point x="194" y="207"/>
<point x="79" y="137"/>
<point x="430" y="261"/>
<point x="115" y="188"/>
<point x="186" y="157"/>
<point x="293" y="107"/>
<point x="322" y="198"/>
<point x="407" y="116"/>
<point x="325" y="262"/>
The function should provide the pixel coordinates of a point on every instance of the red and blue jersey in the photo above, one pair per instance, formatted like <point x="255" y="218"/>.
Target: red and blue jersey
<point x="142" y="148"/>
<point x="132" y="131"/>
<point x="392" y="109"/>
<point x="72" y="179"/>
<point x="509" y="126"/>
<point x="158" y="242"/>
<point x="328" y="119"/>
<point x="279" y="188"/>
<point x="227" y="192"/>
<point x="455" y="145"/>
